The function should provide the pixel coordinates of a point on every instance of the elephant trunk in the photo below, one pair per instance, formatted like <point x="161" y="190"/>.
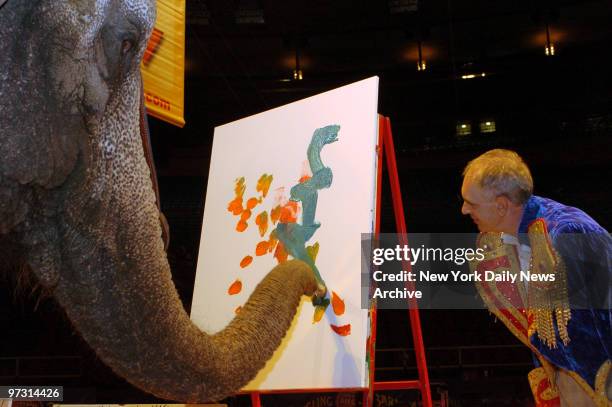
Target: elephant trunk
<point x="126" y="307"/>
<point x="116" y="287"/>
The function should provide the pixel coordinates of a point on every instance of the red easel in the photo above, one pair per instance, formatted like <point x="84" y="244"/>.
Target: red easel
<point x="385" y="141"/>
<point x="385" y="145"/>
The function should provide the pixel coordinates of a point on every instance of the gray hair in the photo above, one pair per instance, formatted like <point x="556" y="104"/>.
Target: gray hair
<point x="504" y="172"/>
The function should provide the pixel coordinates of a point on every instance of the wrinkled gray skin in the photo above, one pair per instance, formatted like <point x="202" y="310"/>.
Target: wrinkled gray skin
<point x="77" y="201"/>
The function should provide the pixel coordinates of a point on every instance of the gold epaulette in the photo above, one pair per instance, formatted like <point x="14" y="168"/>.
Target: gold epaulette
<point x="547" y="297"/>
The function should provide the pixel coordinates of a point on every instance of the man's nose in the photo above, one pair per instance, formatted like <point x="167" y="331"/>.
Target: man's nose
<point x="465" y="209"/>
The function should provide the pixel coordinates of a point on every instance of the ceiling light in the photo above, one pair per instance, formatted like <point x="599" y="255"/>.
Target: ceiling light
<point x="421" y="65"/>
<point x="549" y="49"/>
<point x="297" y="72"/>
<point x="473" y="75"/>
<point x="487" y="126"/>
<point x="464" y="128"/>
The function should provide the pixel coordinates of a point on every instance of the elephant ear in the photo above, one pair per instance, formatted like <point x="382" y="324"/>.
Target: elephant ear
<point x="2" y="2"/>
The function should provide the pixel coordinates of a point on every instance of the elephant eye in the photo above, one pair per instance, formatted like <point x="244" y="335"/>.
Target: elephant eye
<point x="126" y="46"/>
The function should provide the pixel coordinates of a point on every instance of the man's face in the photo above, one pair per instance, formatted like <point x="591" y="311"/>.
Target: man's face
<point x="481" y="205"/>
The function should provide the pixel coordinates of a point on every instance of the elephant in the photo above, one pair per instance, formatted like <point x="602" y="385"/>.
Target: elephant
<point x="77" y="204"/>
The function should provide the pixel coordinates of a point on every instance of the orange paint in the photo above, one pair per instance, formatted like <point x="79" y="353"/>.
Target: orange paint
<point x="239" y="187"/>
<point x="262" y="248"/>
<point x="272" y="241"/>
<point x="252" y="202"/>
<point x="306" y="173"/>
<point x="246" y="261"/>
<point x="241" y="226"/>
<point x="337" y="304"/>
<point x="235" y="206"/>
<point x="263" y="184"/>
<point x="246" y="214"/>
<point x="289" y="212"/>
<point x="262" y="221"/>
<point x="280" y="253"/>
<point x="235" y="288"/>
<point x="343" y="330"/>
<point x="275" y="214"/>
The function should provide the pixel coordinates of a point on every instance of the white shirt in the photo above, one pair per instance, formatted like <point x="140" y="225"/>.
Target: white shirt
<point x="523" y="250"/>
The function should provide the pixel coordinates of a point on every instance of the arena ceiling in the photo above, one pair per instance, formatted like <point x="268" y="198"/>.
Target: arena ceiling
<point x="241" y="53"/>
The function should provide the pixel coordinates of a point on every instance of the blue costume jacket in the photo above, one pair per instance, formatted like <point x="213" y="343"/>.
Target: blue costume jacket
<point x="586" y="249"/>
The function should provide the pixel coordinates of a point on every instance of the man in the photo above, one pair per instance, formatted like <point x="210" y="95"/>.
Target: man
<point x="565" y="320"/>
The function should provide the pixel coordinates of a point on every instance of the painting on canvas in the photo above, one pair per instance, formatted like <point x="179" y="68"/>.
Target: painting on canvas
<point x="297" y="181"/>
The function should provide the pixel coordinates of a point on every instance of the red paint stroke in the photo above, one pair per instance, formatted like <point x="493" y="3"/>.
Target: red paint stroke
<point x="289" y="212"/>
<point x="343" y="330"/>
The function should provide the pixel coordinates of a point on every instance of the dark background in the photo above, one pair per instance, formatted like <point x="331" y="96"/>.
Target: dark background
<point x="554" y="110"/>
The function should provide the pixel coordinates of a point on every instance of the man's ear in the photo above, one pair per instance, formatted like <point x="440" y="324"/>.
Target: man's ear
<point x="502" y="204"/>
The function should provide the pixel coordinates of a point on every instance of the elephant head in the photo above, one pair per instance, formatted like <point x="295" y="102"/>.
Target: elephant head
<point x="76" y="197"/>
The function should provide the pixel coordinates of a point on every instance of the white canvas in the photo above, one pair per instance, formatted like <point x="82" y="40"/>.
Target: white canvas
<point x="276" y="142"/>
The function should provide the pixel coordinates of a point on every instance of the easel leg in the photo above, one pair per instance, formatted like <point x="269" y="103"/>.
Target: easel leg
<point x="398" y="209"/>
<point x="255" y="400"/>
